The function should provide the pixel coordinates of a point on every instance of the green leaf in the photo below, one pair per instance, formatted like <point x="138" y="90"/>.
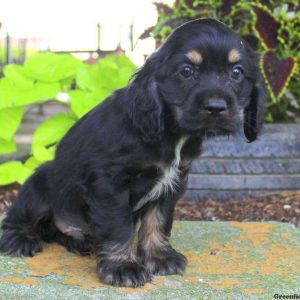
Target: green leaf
<point x="116" y="71"/>
<point x="43" y="154"/>
<point x="10" y="119"/>
<point x="111" y="73"/>
<point x="88" y="78"/>
<point x="10" y="172"/>
<point x="121" y="61"/>
<point x="32" y="163"/>
<point x="26" y="173"/>
<point x="52" y="130"/>
<point x="125" y="66"/>
<point x="14" y="94"/>
<point x="82" y="101"/>
<point x="16" y="74"/>
<point x="7" y="147"/>
<point x="51" y="67"/>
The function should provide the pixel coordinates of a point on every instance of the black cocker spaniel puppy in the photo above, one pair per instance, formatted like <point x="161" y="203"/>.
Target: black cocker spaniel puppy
<point x="127" y="160"/>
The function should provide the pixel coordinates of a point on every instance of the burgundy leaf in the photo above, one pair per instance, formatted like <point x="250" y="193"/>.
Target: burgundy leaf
<point x="227" y="5"/>
<point x="277" y="72"/>
<point x="163" y="7"/>
<point x="266" y="26"/>
<point x="189" y="3"/>
<point x="146" y="33"/>
<point x="251" y="40"/>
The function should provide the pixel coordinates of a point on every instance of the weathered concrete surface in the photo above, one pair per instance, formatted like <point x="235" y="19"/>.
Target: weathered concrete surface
<point x="226" y="261"/>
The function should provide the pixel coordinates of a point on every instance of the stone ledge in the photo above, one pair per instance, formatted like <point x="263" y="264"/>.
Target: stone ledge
<point x="234" y="166"/>
<point x="231" y="167"/>
<point x="227" y="260"/>
<point x="245" y="182"/>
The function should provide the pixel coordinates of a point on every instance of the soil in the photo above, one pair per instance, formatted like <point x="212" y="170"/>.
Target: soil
<point x="282" y="207"/>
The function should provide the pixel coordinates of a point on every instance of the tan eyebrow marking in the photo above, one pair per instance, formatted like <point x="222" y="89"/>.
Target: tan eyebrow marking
<point x="234" y="55"/>
<point x="195" y="56"/>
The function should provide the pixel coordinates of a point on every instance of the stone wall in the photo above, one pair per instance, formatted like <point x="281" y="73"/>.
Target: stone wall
<point x="231" y="167"/>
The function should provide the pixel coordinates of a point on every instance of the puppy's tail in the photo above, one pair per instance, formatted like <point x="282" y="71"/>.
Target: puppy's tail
<point x="26" y="219"/>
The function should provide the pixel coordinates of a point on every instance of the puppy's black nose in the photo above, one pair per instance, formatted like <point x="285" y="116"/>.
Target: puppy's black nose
<point x="215" y="107"/>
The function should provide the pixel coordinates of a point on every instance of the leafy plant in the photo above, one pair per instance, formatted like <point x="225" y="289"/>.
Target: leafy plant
<point x="277" y="26"/>
<point x="271" y="27"/>
<point x="46" y="77"/>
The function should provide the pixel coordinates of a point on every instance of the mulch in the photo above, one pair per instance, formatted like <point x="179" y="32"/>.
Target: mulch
<point x="7" y="195"/>
<point x="282" y="207"/>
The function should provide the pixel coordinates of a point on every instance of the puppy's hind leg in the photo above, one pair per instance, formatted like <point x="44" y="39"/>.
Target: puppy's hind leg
<point x="80" y="247"/>
<point x="72" y="235"/>
<point x="28" y="218"/>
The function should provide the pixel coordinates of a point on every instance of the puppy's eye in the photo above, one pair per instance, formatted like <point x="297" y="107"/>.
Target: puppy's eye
<point x="187" y="71"/>
<point x="237" y="72"/>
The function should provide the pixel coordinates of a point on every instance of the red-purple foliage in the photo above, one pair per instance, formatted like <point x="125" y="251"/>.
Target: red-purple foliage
<point x="266" y="26"/>
<point x="163" y="7"/>
<point x="277" y="71"/>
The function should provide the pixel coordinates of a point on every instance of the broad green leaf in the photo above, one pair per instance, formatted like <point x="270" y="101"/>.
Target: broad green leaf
<point x="7" y="147"/>
<point x="122" y="61"/>
<point x="10" y="119"/>
<point x="124" y="66"/>
<point x="16" y="74"/>
<point x="32" y="163"/>
<point x="111" y="73"/>
<point x="26" y="173"/>
<point x="52" y="130"/>
<point x="82" y="101"/>
<point x="88" y="78"/>
<point x="43" y="154"/>
<point x="12" y="94"/>
<point x="51" y="67"/>
<point x="10" y="172"/>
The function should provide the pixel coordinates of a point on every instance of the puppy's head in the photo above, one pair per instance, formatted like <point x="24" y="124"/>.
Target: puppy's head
<point x="205" y="79"/>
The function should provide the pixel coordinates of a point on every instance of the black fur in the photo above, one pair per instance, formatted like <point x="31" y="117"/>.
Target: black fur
<point x="88" y="198"/>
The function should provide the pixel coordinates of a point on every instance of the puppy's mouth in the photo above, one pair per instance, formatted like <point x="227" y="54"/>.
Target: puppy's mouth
<point x="212" y="131"/>
<point x="218" y="127"/>
<point x="217" y="131"/>
<point x="202" y="124"/>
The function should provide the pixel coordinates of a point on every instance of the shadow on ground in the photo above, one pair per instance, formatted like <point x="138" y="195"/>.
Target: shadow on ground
<point x="227" y="260"/>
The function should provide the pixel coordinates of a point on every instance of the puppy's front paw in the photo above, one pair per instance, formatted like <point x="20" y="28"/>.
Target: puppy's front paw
<point x="165" y="262"/>
<point x="130" y="274"/>
<point x="12" y="242"/>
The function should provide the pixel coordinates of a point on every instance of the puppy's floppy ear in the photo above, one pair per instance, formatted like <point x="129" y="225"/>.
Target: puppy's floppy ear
<point x="254" y="112"/>
<point x="144" y="106"/>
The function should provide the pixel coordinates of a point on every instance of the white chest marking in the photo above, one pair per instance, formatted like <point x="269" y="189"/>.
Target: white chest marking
<point x="169" y="179"/>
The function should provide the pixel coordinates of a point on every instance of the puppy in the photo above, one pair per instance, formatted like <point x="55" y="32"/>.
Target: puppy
<point x="127" y="160"/>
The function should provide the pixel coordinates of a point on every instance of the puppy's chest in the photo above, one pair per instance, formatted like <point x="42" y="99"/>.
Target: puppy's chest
<point x="169" y="175"/>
